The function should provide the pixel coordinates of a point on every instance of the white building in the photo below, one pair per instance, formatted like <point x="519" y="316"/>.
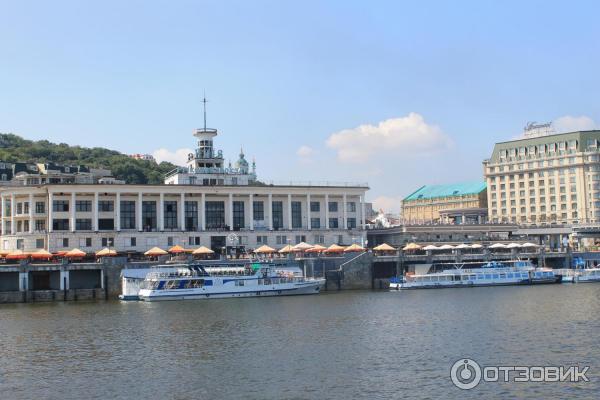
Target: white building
<point x="203" y="204"/>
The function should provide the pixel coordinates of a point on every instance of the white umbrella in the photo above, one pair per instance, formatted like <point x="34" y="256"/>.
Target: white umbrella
<point x="463" y="246"/>
<point x="476" y="246"/>
<point x="513" y="246"/>
<point x="431" y="247"/>
<point x="528" y="244"/>
<point x="446" y="247"/>
<point x="498" y="246"/>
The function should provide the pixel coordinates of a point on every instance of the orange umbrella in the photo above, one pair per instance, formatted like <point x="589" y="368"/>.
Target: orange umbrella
<point x="106" y="252"/>
<point x="203" y="250"/>
<point x="177" y="249"/>
<point x="334" y="248"/>
<point x="286" y="249"/>
<point x="4" y="253"/>
<point x="264" y="249"/>
<point x="41" y="255"/>
<point x="354" y="248"/>
<point x="17" y="255"/>
<point x="155" y="251"/>
<point x="75" y="253"/>
<point x="317" y="248"/>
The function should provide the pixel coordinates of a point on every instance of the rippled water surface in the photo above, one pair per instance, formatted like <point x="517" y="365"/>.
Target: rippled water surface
<point x="345" y="345"/>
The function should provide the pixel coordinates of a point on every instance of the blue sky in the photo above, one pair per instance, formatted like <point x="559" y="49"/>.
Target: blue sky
<point x="398" y="94"/>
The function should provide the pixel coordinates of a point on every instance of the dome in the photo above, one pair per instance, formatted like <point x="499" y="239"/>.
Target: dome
<point x="242" y="164"/>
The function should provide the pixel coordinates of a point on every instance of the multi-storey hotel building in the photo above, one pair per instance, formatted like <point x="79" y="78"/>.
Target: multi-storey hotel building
<point x="545" y="179"/>
<point x="204" y="203"/>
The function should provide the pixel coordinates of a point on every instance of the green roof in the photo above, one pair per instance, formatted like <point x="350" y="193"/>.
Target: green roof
<point x="454" y="189"/>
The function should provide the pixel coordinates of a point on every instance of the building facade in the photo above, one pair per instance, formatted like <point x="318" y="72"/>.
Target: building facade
<point x="545" y="179"/>
<point x="459" y="203"/>
<point x="202" y="204"/>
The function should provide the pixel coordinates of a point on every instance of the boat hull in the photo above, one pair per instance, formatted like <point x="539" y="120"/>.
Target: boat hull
<point x="449" y="285"/>
<point x="306" y="288"/>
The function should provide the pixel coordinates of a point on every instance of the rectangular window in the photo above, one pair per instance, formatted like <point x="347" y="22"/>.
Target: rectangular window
<point x="259" y="211"/>
<point x="333" y="223"/>
<point x="132" y="242"/>
<point x="170" y="241"/>
<point x="260" y="240"/>
<point x="127" y="214"/>
<point x="40" y="207"/>
<point x="149" y="215"/>
<point x="351" y="206"/>
<point x="319" y="239"/>
<point x="191" y="216"/>
<point x="65" y="242"/>
<point x="238" y="215"/>
<point x="60" y="205"/>
<point x="351" y="223"/>
<point x="296" y="214"/>
<point x="60" y="224"/>
<point x="315" y="206"/>
<point x="170" y="217"/>
<point x="83" y="224"/>
<point x="40" y="243"/>
<point x="333" y="206"/>
<point x="300" y="239"/>
<point x="40" y="225"/>
<point x="315" y="223"/>
<point x="83" y="205"/>
<point x="277" y="215"/>
<point x="26" y="207"/>
<point x="215" y="215"/>
<point x="108" y="242"/>
<point x="106" y="224"/>
<point x="194" y="240"/>
<point x="281" y="239"/>
<point x="106" y="206"/>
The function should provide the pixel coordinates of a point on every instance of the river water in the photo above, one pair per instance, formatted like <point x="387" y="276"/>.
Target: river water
<point x="344" y="345"/>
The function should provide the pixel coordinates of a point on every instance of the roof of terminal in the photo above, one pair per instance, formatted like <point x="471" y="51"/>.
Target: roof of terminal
<point x="454" y="189"/>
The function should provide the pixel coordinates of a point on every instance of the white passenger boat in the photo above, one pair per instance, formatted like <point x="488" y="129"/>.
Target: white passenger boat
<point x="585" y="275"/>
<point x="489" y="274"/>
<point x="199" y="282"/>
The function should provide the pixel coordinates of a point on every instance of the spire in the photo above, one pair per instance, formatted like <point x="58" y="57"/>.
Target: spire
<point x="241" y="152"/>
<point x="204" y="101"/>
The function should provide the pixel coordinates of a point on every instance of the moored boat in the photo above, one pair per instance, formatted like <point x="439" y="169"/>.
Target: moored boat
<point x="489" y="274"/>
<point x="198" y="282"/>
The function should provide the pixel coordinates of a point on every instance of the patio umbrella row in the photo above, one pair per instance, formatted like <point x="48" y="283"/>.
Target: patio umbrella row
<point x="307" y="248"/>
<point x="414" y="246"/>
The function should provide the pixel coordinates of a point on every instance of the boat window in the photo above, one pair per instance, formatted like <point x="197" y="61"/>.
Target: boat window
<point x="488" y="276"/>
<point x="509" y="275"/>
<point x="502" y="276"/>
<point x="495" y="276"/>
<point x="172" y="285"/>
<point x="472" y="277"/>
<point x="480" y="277"/>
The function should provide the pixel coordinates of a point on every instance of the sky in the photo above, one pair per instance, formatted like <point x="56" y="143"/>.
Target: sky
<point x="396" y="94"/>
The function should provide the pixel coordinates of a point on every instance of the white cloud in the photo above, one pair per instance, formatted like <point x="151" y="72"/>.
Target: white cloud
<point x="409" y="135"/>
<point x="305" y="151"/>
<point x="177" y="157"/>
<point x="387" y="204"/>
<point x="569" y="123"/>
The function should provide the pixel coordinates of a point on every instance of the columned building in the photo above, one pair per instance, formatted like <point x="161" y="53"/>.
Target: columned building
<point x="202" y="204"/>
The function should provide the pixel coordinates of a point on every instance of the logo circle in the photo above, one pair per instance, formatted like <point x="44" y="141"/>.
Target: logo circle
<point x="465" y="374"/>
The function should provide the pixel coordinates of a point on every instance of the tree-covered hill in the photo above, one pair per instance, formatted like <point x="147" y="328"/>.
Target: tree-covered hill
<point x="14" y="148"/>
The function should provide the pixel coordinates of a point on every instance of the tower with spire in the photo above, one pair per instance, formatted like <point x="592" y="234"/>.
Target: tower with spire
<point x="206" y="166"/>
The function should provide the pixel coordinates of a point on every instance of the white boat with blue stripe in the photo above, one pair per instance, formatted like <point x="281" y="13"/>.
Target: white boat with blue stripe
<point x="493" y="273"/>
<point x="200" y="282"/>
